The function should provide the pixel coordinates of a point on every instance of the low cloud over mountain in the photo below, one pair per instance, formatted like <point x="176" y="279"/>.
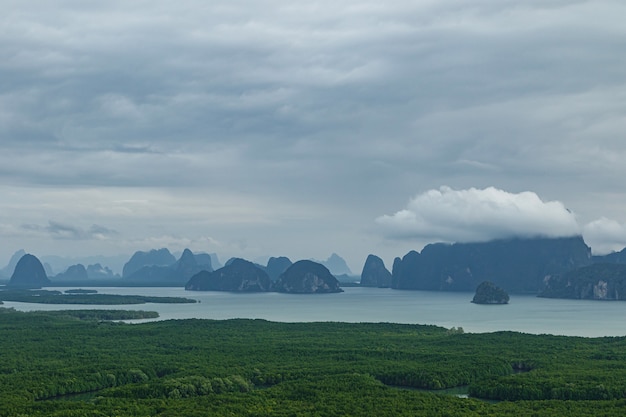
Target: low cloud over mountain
<point x="479" y="215"/>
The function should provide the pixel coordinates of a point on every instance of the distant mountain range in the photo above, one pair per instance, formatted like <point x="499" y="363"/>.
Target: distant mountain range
<point x="550" y="267"/>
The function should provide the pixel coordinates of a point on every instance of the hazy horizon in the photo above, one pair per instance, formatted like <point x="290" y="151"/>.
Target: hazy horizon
<point x="116" y="262"/>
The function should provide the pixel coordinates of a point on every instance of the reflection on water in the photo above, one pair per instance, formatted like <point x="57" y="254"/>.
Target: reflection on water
<point x="524" y="313"/>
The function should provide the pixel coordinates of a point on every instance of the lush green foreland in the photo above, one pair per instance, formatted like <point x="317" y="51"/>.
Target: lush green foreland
<point x="80" y="291"/>
<point x="81" y="297"/>
<point x="105" y="314"/>
<point x="260" y="368"/>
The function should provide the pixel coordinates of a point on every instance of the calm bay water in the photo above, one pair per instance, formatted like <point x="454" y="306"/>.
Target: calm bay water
<point x="524" y="313"/>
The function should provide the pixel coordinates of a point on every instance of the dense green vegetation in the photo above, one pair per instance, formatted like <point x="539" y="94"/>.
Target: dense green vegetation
<point x="56" y="297"/>
<point x="260" y="368"/>
<point x="106" y="314"/>
<point x="80" y="291"/>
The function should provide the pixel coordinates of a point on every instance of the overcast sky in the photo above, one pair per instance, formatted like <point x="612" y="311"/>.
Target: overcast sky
<point x="305" y="128"/>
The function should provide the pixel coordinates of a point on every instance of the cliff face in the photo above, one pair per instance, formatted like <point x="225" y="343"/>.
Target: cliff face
<point x="611" y="258"/>
<point x="177" y="273"/>
<point x="276" y="266"/>
<point x="307" y="277"/>
<point x="336" y="265"/>
<point x="97" y="271"/>
<point x="593" y="282"/>
<point x="189" y="264"/>
<point x="73" y="273"/>
<point x="29" y="273"/>
<point x="520" y="265"/>
<point x="161" y="257"/>
<point x="238" y="276"/>
<point x="204" y="260"/>
<point x="374" y="273"/>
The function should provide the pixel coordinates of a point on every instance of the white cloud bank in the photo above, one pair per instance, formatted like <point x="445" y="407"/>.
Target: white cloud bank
<point x="478" y="215"/>
<point x="605" y="235"/>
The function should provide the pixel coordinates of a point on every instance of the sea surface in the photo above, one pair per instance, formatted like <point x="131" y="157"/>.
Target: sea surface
<point x="524" y="313"/>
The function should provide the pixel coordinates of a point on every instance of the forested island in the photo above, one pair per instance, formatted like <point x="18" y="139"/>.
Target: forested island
<point x="82" y="297"/>
<point x="260" y="368"/>
<point x="105" y="315"/>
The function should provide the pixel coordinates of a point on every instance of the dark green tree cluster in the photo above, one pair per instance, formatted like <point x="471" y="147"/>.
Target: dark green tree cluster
<point x="80" y="291"/>
<point x="53" y="364"/>
<point x="87" y="298"/>
<point x="106" y="314"/>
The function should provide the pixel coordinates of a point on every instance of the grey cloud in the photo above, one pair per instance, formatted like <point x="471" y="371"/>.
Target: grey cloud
<point x="351" y="106"/>
<point x="63" y="231"/>
<point x="132" y="91"/>
<point x="137" y="149"/>
<point x="140" y="66"/>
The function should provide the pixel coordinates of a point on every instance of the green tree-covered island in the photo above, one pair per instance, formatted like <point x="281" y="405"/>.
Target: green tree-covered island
<point x="59" y="365"/>
<point x="86" y="298"/>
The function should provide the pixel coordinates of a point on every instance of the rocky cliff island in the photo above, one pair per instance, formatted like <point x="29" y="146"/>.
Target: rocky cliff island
<point x="307" y="277"/>
<point x="29" y="273"/>
<point x="519" y="265"/>
<point x="488" y="293"/>
<point x="374" y="273"/>
<point x="238" y="276"/>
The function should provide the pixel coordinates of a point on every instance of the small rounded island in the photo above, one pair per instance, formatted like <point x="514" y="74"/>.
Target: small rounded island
<point x="488" y="293"/>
